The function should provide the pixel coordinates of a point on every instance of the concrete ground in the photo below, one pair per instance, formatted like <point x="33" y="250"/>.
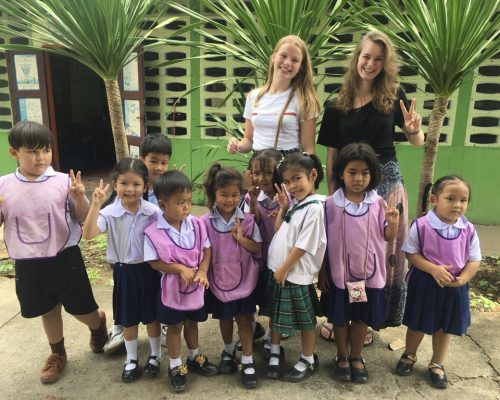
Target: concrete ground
<point x="473" y="363"/>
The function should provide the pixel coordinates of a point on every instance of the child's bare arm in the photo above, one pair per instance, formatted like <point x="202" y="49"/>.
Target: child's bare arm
<point x="90" y="228"/>
<point x="467" y="273"/>
<point x="201" y="274"/>
<point x="77" y="195"/>
<point x="282" y="272"/>
<point x="187" y="274"/>
<point x="392" y="218"/>
<point x="282" y="199"/>
<point x="248" y="244"/>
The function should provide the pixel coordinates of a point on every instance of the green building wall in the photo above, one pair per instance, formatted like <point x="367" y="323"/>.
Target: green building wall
<point x="470" y="144"/>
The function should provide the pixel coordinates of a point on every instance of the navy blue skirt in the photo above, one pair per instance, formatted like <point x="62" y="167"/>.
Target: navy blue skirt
<point x="260" y="289"/>
<point x="229" y="310"/>
<point x="136" y="287"/>
<point x="336" y="307"/>
<point x="430" y="308"/>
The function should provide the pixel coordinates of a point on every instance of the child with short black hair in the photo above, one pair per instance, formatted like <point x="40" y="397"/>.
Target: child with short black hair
<point x="177" y="245"/>
<point x="155" y="151"/>
<point x="42" y="210"/>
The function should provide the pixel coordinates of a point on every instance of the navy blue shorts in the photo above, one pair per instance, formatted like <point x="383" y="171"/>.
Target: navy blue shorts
<point x="170" y="316"/>
<point x="229" y="310"/>
<point x="42" y="284"/>
<point x="134" y="294"/>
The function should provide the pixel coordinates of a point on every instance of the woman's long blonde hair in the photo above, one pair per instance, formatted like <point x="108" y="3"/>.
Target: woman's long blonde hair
<point x="384" y="86"/>
<point x="302" y="83"/>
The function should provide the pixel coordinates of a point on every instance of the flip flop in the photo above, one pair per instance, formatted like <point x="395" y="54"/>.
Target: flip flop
<point x="330" y="337"/>
<point x="368" y="338"/>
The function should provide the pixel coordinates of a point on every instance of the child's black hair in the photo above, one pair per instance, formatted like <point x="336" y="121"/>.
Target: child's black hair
<point x="170" y="183"/>
<point x="304" y="161"/>
<point x="439" y="185"/>
<point x="267" y="158"/>
<point x="127" y="164"/>
<point x="356" y="152"/>
<point x="217" y="177"/>
<point x="155" y="143"/>
<point x="31" y="135"/>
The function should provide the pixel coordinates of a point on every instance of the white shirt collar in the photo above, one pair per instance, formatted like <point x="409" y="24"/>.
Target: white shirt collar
<point x="47" y="173"/>
<point x="145" y="208"/>
<point x="186" y="224"/>
<point x="237" y="214"/>
<point x="438" y="224"/>
<point x="341" y="201"/>
<point x="263" y="197"/>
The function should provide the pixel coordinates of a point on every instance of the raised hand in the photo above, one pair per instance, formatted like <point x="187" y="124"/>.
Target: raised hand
<point x="180" y="169"/>
<point x="281" y="196"/>
<point x="391" y="215"/>
<point x="237" y="231"/>
<point x="233" y="146"/>
<point x="253" y="192"/>
<point x="413" y="121"/>
<point x="99" y="194"/>
<point x="76" y="188"/>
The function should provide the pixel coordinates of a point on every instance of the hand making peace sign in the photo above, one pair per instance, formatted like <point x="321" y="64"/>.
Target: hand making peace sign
<point x="413" y="121"/>
<point x="99" y="194"/>
<point x="76" y="188"/>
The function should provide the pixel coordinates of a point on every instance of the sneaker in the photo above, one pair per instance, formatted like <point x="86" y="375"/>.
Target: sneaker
<point x="115" y="340"/>
<point x="99" y="337"/>
<point x="163" y="339"/>
<point x="177" y="377"/>
<point x="201" y="366"/>
<point x="53" y="368"/>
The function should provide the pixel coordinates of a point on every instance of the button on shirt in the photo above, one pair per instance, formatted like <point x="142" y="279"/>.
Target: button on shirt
<point x="184" y="238"/>
<point x="126" y="231"/>
<point x="412" y="242"/>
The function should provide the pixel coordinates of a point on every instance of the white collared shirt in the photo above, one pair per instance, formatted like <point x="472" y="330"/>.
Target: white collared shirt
<point x="125" y="242"/>
<point x="221" y="225"/>
<point x="449" y="231"/>
<point x="184" y="238"/>
<point x="352" y="208"/>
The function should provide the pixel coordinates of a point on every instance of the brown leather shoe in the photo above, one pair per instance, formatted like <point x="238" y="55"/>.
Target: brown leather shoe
<point x="99" y="337"/>
<point x="53" y="368"/>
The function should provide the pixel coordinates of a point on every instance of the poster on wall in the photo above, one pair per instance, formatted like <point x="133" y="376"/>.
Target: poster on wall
<point x="134" y="151"/>
<point x="132" y="116"/>
<point x="26" y="72"/>
<point x="31" y="110"/>
<point x="131" y="75"/>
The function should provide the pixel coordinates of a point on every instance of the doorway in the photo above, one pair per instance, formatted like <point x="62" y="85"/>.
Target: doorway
<point x="84" y="135"/>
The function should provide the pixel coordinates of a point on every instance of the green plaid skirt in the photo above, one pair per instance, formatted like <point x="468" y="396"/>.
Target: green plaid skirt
<point x="291" y="308"/>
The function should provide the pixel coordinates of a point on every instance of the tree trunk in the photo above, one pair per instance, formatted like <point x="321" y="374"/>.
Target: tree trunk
<point x="116" y="116"/>
<point x="430" y="152"/>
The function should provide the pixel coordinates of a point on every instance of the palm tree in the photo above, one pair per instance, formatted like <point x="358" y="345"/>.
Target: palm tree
<point x="446" y="40"/>
<point x="251" y="29"/>
<point x="101" y="34"/>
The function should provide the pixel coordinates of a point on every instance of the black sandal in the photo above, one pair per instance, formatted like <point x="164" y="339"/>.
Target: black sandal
<point x="403" y="368"/>
<point x="437" y="380"/>
<point x="359" y="375"/>
<point x="343" y="373"/>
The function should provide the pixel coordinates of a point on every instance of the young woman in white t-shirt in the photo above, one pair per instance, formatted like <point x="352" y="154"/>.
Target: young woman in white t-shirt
<point x="287" y="100"/>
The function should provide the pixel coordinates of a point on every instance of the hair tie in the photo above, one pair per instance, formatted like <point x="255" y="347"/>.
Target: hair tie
<point x="306" y="154"/>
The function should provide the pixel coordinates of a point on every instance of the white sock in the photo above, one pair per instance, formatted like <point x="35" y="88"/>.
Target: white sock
<point x="301" y="366"/>
<point x="175" y="362"/>
<point x="155" y="344"/>
<point x="275" y="349"/>
<point x="131" y="346"/>
<point x="192" y="353"/>
<point x="247" y="360"/>
<point x="228" y="348"/>
<point x="267" y="335"/>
